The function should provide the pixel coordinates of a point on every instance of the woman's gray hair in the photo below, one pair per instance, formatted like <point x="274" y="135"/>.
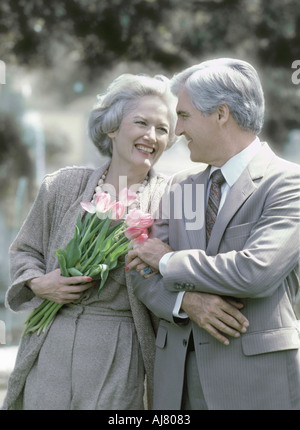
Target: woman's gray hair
<point x="119" y="98"/>
<point x="225" y="81"/>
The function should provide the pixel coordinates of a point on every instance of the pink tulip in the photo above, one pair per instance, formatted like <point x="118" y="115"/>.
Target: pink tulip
<point x="102" y="203"/>
<point x="127" y="196"/>
<point x="133" y="232"/>
<point x="100" y="206"/>
<point x="117" y="210"/>
<point x="138" y="218"/>
<point x="140" y="239"/>
<point x="89" y="207"/>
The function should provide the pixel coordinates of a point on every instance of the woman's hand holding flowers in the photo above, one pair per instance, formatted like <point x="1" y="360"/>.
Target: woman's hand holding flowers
<point x="96" y="248"/>
<point x="60" y="289"/>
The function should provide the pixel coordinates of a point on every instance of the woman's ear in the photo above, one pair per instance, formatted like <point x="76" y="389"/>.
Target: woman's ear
<point x="112" y="134"/>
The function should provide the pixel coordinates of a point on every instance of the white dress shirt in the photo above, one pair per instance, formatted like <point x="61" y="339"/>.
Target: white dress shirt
<point x="231" y="171"/>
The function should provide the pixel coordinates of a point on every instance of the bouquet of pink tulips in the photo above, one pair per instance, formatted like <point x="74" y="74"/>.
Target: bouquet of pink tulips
<point x="96" y="247"/>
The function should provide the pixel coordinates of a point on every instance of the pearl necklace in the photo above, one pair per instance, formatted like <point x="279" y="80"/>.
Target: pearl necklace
<point x="141" y="188"/>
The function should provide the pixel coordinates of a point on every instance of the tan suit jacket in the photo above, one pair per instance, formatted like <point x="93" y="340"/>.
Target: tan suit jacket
<point x="253" y="254"/>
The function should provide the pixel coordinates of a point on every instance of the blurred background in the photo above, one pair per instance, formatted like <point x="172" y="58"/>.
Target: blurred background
<point x="59" y="55"/>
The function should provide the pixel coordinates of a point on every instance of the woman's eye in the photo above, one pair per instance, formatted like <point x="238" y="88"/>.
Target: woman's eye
<point x="164" y="130"/>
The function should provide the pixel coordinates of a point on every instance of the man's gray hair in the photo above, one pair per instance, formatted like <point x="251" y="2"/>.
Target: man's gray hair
<point x="225" y="81"/>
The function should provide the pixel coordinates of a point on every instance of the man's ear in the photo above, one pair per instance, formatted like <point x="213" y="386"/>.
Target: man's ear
<point x="223" y="113"/>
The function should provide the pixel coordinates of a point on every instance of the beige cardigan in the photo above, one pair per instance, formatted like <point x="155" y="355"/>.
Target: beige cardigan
<point x="49" y="226"/>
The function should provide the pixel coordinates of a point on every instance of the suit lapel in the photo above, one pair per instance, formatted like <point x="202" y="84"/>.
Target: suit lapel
<point x="238" y="194"/>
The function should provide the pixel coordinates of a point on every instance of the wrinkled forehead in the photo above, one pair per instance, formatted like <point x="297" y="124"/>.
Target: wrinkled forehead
<point x="148" y="107"/>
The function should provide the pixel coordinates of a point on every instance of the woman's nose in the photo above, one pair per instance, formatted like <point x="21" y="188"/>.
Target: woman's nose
<point x="151" y="133"/>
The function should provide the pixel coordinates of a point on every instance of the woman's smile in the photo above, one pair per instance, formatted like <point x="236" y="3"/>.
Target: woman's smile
<point x="147" y="150"/>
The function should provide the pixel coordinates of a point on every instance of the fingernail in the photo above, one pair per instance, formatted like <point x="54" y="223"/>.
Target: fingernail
<point x="237" y="334"/>
<point x="126" y="268"/>
<point x="226" y="342"/>
<point x="244" y="329"/>
<point x="89" y="278"/>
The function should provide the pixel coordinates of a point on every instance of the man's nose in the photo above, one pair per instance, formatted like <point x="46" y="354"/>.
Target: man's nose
<point x="179" y="129"/>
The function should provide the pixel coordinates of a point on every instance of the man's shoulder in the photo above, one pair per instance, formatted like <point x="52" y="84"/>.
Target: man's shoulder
<point x="188" y="174"/>
<point x="269" y="165"/>
<point x="281" y="167"/>
<point x="288" y="165"/>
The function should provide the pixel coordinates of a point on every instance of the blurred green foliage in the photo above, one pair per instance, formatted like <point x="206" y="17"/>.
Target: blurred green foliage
<point x="95" y="35"/>
<point x="165" y="31"/>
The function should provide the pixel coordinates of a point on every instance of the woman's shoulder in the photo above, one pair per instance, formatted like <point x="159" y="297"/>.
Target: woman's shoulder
<point x="64" y="181"/>
<point x="68" y="177"/>
<point x="69" y="172"/>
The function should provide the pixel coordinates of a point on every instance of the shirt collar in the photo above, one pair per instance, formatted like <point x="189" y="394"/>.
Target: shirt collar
<point x="233" y="168"/>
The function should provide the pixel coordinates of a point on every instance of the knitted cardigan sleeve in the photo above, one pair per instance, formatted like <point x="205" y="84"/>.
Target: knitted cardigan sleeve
<point x="29" y="252"/>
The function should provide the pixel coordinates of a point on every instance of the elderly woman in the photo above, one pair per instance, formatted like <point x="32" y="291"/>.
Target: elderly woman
<point x="96" y="353"/>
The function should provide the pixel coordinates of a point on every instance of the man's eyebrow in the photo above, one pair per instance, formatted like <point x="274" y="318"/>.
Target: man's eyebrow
<point x="182" y="112"/>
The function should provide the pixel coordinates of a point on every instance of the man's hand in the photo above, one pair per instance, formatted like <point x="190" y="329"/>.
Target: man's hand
<point x="149" y="252"/>
<point x="215" y="314"/>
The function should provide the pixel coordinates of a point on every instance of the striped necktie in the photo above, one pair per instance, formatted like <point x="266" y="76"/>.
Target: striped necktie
<point x="217" y="179"/>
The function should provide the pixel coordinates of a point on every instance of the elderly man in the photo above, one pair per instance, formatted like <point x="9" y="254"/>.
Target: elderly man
<point x="247" y="249"/>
